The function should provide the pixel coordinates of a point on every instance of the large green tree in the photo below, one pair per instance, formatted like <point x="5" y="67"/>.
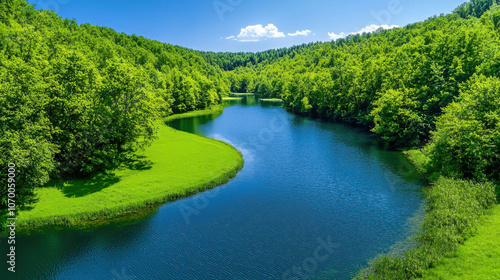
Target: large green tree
<point x="466" y="143"/>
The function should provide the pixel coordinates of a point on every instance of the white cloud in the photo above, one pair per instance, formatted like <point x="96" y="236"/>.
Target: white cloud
<point x="300" y="33"/>
<point x="368" y="29"/>
<point x="255" y="33"/>
<point x="335" y="37"/>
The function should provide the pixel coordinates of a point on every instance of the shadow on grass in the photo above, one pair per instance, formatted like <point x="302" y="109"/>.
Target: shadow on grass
<point x="136" y="162"/>
<point x="82" y="187"/>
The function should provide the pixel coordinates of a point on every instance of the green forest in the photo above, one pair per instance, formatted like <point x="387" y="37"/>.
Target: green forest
<point x="431" y="85"/>
<point x="76" y="99"/>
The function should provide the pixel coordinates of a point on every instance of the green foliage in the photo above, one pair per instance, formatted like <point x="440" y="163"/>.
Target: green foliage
<point x="24" y="129"/>
<point x="33" y="159"/>
<point x="474" y="8"/>
<point x="466" y="143"/>
<point x="231" y="61"/>
<point x="77" y="99"/>
<point x="396" y="118"/>
<point x="495" y="17"/>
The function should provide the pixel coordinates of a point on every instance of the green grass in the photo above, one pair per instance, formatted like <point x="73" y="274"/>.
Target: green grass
<point x="478" y="258"/>
<point x="176" y="165"/>
<point x="216" y="109"/>
<point x="419" y="160"/>
<point x="232" y="98"/>
<point x="277" y="100"/>
<point x="241" y="94"/>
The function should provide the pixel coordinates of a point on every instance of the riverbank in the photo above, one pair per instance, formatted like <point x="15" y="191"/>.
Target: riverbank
<point x="272" y="100"/>
<point x="459" y="236"/>
<point x="478" y="258"/>
<point x="244" y="94"/>
<point x="232" y="98"/>
<point x="176" y="165"/>
<point x="214" y="110"/>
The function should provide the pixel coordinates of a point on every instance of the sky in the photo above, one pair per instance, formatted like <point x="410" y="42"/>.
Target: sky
<point x="246" y="25"/>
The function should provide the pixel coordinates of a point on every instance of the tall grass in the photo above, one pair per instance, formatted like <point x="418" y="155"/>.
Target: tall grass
<point x="455" y="208"/>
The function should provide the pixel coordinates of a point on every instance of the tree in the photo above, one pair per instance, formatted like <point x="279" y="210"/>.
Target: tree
<point x="396" y="119"/>
<point x="24" y="130"/>
<point x="466" y="143"/>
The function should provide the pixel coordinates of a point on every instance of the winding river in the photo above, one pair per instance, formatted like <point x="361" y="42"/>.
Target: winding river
<point x="315" y="200"/>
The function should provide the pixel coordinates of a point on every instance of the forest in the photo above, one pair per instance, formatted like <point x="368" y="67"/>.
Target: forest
<point x="430" y="85"/>
<point x="76" y="99"/>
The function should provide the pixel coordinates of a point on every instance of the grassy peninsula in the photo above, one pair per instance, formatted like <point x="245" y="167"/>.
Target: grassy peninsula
<point x="176" y="165"/>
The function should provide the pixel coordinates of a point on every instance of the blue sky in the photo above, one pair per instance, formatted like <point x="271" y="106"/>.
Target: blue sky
<point x="246" y="25"/>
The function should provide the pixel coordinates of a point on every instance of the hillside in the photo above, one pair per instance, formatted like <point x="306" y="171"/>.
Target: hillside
<point x="75" y="99"/>
<point x="360" y="79"/>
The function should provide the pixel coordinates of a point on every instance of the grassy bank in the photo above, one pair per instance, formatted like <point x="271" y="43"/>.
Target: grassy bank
<point x="176" y="165"/>
<point x="216" y="109"/>
<point x="456" y="208"/>
<point x="460" y="232"/>
<point x="241" y="94"/>
<point x="272" y="100"/>
<point x="478" y="258"/>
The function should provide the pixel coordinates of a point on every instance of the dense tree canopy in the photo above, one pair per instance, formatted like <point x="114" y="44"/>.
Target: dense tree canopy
<point x="74" y="99"/>
<point x="466" y="143"/>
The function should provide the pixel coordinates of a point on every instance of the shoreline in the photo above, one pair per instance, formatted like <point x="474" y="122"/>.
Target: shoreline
<point x="440" y="236"/>
<point x="119" y="206"/>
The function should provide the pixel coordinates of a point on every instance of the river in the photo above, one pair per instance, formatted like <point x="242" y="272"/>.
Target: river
<point x="314" y="199"/>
